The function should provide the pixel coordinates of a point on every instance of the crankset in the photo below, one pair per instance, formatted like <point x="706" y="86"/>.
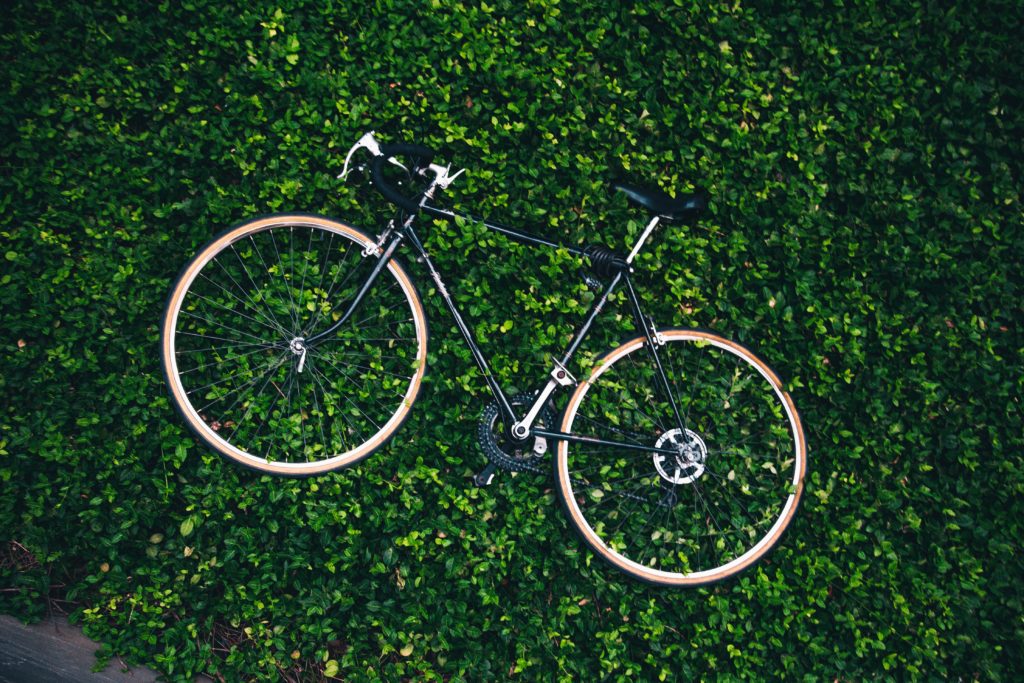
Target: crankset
<point x="502" y="451"/>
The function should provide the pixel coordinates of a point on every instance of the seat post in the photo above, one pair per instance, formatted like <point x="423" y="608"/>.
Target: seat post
<point x="643" y="238"/>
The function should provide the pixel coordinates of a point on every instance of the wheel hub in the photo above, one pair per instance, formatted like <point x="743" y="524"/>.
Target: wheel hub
<point x="298" y="347"/>
<point x="688" y="463"/>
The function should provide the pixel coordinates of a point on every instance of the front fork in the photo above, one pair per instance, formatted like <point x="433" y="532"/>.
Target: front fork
<point x="382" y="263"/>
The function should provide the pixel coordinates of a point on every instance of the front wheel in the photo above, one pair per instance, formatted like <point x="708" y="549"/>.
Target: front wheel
<point x="727" y="475"/>
<point x="238" y="365"/>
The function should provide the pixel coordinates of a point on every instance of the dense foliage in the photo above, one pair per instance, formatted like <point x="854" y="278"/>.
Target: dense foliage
<point x="865" y="237"/>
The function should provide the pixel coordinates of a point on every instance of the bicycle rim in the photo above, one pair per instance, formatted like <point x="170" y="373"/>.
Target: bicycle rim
<point x="733" y="480"/>
<point x="234" y="355"/>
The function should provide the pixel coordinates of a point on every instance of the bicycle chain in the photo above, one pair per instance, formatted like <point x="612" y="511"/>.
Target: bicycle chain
<point x="524" y="460"/>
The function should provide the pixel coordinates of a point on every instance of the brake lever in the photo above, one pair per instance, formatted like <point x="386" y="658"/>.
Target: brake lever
<point x="391" y="160"/>
<point x="367" y="141"/>
<point x="370" y="143"/>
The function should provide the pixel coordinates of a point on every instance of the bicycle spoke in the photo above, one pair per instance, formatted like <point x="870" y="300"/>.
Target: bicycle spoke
<point x="370" y="339"/>
<point x="319" y="411"/>
<point x="602" y="484"/>
<point x="268" y="322"/>
<point x="287" y="287"/>
<point x="329" y="296"/>
<point x="633" y="437"/>
<point x="342" y="413"/>
<point x="266" y="269"/>
<point x="268" y="371"/>
<point x="270" y="412"/>
<point x="219" y="381"/>
<point x="256" y="288"/>
<point x="222" y="346"/>
<point x="223" y="326"/>
<point x="305" y="264"/>
<point x="230" y="359"/>
<point x="231" y="277"/>
<point x="323" y="265"/>
<point x="252" y="403"/>
<point x="349" y="378"/>
<point x="635" y="502"/>
<point x="367" y="369"/>
<point x="661" y="511"/>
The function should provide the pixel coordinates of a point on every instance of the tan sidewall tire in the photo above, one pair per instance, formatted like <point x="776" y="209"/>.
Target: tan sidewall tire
<point x="210" y="437"/>
<point x="647" y="574"/>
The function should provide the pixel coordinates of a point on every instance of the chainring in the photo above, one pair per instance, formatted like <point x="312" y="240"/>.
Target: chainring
<point x="499" y="448"/>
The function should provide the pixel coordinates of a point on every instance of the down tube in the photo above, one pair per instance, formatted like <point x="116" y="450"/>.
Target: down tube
<point x="478" y="356"/>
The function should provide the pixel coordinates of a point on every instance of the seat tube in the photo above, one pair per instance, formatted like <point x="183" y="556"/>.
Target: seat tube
<point x="643" y="238"/>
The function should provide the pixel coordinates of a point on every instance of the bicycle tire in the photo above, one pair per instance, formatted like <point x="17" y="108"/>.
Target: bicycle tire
<point x="752" y="437"/>
<point x="233" y="316"/>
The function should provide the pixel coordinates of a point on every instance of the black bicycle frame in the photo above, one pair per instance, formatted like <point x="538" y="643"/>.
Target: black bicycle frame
<point x="406" y="231"/>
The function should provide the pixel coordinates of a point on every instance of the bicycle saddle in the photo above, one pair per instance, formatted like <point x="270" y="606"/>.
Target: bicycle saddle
<point x="686" y="207"/>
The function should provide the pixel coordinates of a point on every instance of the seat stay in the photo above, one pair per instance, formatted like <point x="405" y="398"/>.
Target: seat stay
<point x="653" y="341"/>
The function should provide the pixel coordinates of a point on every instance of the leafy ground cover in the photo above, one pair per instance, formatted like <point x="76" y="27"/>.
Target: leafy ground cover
<point x="865" y="237"/>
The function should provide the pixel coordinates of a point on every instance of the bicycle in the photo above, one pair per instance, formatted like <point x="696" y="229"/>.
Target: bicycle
<point x="297" y="344"/>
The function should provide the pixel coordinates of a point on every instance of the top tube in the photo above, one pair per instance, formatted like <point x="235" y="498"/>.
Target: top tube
<point x="517" y="235"/>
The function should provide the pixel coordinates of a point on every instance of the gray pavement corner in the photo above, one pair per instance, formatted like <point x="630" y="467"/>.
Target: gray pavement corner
<point x="54" y="650"/>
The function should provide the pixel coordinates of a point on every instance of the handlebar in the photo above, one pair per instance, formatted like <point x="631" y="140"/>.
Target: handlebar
<point x="424" y="155"/>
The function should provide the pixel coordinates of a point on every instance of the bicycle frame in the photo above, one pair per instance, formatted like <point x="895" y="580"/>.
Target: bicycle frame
<point x="297" y="344"/>
<point x="521" y="428"/>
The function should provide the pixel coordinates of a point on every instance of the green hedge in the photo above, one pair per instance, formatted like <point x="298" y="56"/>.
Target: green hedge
<point x="865" y="237"/>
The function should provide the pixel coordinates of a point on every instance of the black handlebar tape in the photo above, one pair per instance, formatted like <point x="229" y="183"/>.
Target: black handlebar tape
<point x="386" y="189"/>
<point x="424" y="156"/>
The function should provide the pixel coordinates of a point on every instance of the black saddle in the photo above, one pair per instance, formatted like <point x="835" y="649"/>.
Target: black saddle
<point x="685" y="208"/>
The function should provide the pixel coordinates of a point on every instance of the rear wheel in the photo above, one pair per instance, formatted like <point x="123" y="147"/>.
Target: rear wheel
<point x="238" y="365"/>
<point x="728" y="476"/>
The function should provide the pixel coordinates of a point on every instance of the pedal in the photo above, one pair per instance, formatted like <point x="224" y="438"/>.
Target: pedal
<point x="485" y="477"/>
